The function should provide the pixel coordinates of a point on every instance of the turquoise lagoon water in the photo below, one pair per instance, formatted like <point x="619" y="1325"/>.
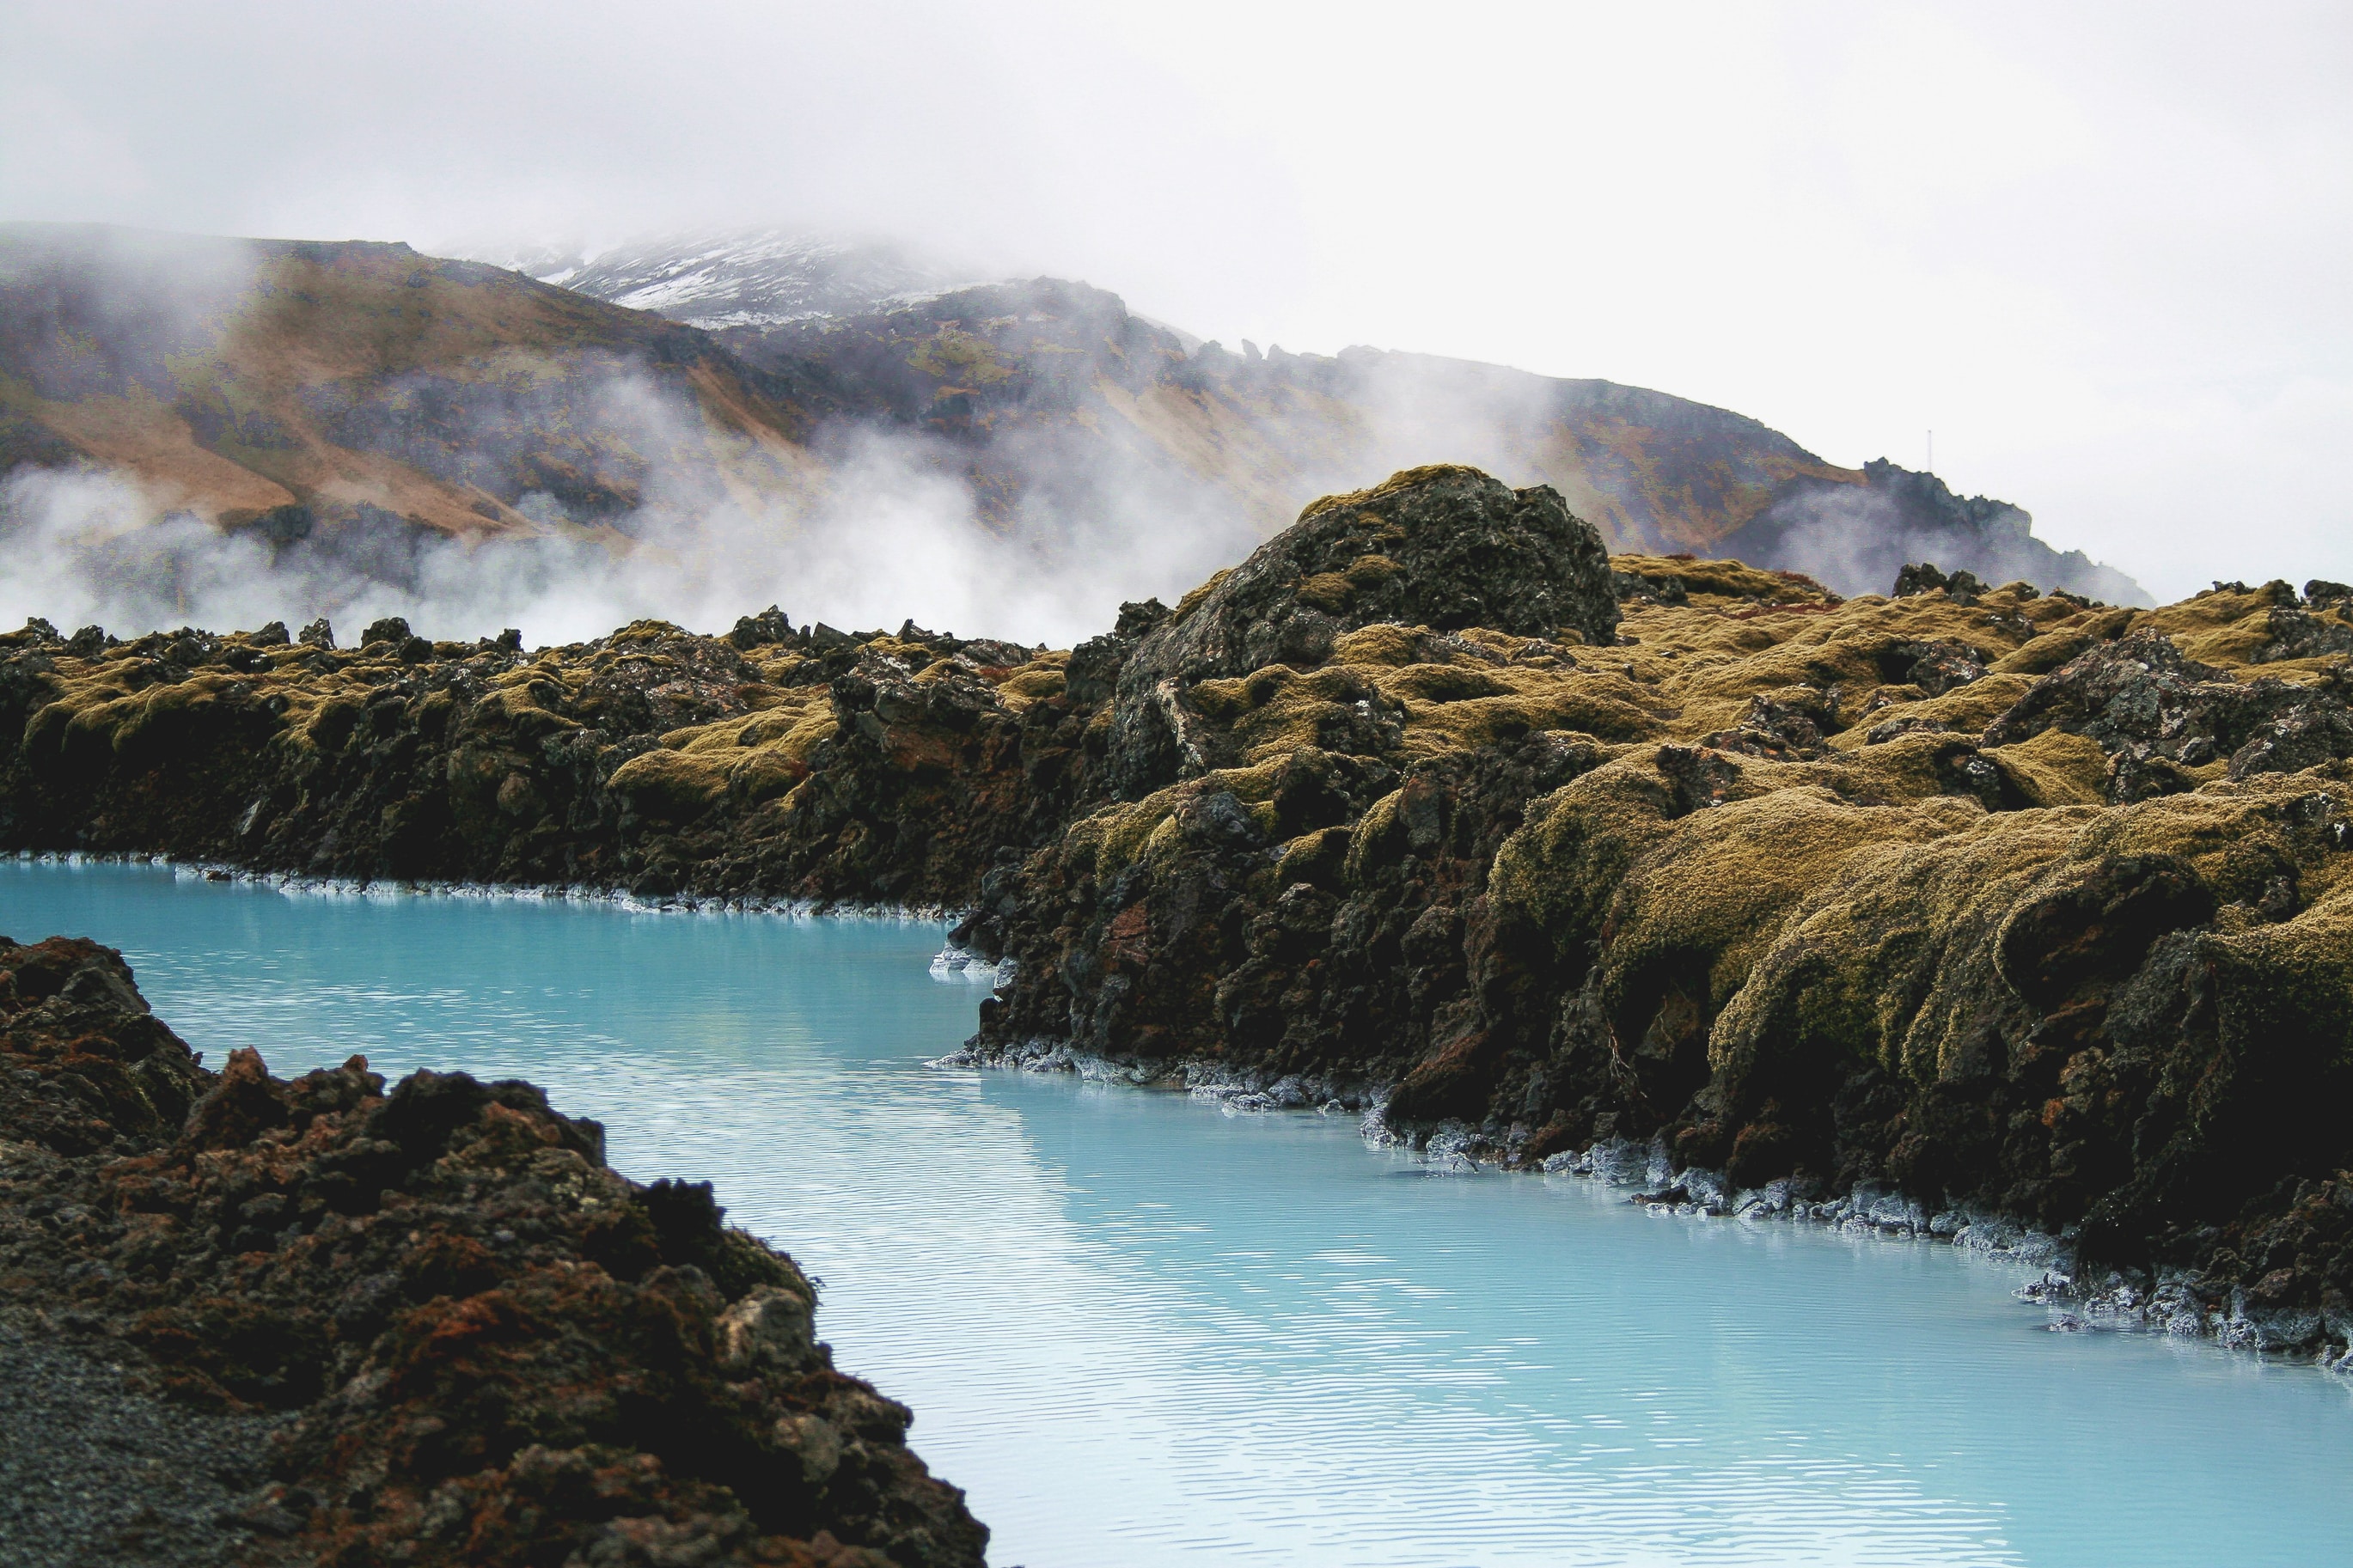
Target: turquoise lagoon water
<point x="1140" y="1330"/>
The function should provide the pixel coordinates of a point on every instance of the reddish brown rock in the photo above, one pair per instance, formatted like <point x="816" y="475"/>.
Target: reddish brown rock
<point x="493" y="1349"/>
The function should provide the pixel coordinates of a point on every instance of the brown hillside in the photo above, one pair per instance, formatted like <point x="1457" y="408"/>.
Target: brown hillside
<point x="1013" y="372"/>
<point x="292" y="386"/>
<point x="356" y="390"/>
<point x="1061" y="405"/>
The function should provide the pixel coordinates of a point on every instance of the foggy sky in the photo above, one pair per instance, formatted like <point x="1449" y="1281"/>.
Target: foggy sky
<point x="2101" y="254"/>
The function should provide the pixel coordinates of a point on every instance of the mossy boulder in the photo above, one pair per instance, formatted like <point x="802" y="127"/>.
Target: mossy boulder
<point x="1443" y="547"/>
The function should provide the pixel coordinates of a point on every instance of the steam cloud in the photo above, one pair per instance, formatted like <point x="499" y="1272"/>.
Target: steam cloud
<point x="873" y="525"/>
<point x="889" y="531"/>
<point x="1857" y="538"/>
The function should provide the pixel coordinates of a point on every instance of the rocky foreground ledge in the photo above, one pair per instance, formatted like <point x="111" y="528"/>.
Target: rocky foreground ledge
<point x="1959" y="900"/>
<point x="254" y="1319"/>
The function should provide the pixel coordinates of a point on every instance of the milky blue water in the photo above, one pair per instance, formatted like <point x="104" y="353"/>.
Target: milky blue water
<point x="1142" y="1331"/>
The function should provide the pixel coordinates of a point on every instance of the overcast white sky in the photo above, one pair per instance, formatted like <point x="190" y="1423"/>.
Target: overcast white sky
<point x="2102" y="253"/>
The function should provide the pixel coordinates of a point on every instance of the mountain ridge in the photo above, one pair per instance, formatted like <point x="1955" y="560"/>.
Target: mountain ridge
<point x="347" y="379"/>
<point x="829" y="281"/>
<point x="352" y="401"/>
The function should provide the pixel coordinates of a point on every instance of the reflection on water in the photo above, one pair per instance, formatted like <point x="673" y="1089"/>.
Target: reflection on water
<point x="1140" y="1330"/>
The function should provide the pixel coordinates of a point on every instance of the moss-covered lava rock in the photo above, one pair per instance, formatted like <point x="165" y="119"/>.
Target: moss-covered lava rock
<point x="767" y="763"/>
<point x="1446" y="548"/>
<point x="2011" y="902"/>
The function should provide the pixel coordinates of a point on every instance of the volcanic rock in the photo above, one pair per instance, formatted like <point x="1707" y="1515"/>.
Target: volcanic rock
<point x="2160" y="715"/>
<point x="485" y="1347"/>
<point x="1440" y="547"/>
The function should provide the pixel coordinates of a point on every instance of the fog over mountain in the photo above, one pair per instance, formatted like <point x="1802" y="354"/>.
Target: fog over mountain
<point x="228" y="432"/>
<point x="1853" y="536"/>
<point x="2092" y="247"/>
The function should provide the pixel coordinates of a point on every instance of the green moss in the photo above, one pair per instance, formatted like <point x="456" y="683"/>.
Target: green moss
<point x="2220" y="620"/>
<point x="1710" y="898"/>
<point x="1964" y="711"/>
<point x="1378" y="840"/>
<point x="152" y="722"/>
<point x="1891" y="957"/>
<point x="1380" y="643"/>
<point x="1031" y="683"/>
<point x="1725" y="580"/>
<point x="2055" y="768"/>
<point x="1331" y="592"/>
<point x="1404" y="480"/>
<point x="1557" y="871"/>
<point x="1442" y="683"/>
<point x="648" y="631"/>
<point x="2236" y="837"/>
<point x="1327" y="591"/>
<point x="1117" y="836"/>
<point x="765" y="775"/>
<point x="665" y="785"/>
<point x="1896" y="955"/>
<point x="2049" y="649"/>
<point x="2291" y="985"/>
<point x="1320" y="859"/>
<point x="1497" y="721"/>
<point x="1912" y="767"/>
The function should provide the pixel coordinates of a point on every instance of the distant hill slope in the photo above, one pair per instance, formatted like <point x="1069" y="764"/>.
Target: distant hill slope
<point x="355" y="395"/>
<point x="300" y="386"/>
<point x="1856" y="537"/>
<point x="1051" y="391"/>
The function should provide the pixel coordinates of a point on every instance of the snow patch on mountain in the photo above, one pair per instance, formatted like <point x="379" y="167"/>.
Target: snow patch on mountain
<point x="744" y="278"/>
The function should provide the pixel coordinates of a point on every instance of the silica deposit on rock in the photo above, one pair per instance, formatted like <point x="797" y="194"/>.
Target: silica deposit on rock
<point x="480" y="1344"/>
<point x="1969" y="900"/>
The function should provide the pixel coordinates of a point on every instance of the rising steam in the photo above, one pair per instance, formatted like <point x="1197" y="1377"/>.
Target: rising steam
<point x="890" y="532"/>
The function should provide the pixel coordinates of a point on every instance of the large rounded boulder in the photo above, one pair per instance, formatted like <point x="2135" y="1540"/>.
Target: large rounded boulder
<point x="1444" y="547"/>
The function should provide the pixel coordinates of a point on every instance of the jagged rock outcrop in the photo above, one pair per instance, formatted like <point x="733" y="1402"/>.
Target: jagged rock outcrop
<point x="1961" y="586"/>
<point x="767" y="763"/>
<point x="2161" y="717"/>
<point x="490" y="1348"/>
<point x="1855" y="531"/>
<point x="1445" y="548"/>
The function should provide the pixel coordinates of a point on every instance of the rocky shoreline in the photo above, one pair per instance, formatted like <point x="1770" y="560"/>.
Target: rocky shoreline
<point x="423" y="1322"/>
<point x="296" y="884"/>
<point x="2006" y="902"/>
<point x="2176" y="1302"/>
<point x="2010" y="903"/>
